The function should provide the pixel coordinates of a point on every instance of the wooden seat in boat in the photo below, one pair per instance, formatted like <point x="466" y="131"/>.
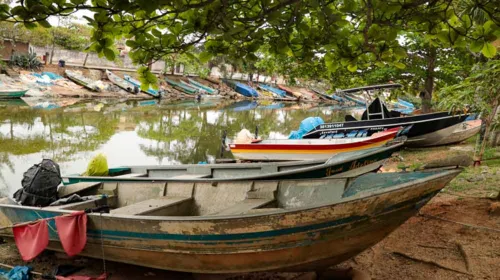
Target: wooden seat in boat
<point x="77" y="188"/>
<point x="131" y="175"/>
<point x="155" y="206"/>
<point x="191" y="176"/>
<point x="245" y="206"/>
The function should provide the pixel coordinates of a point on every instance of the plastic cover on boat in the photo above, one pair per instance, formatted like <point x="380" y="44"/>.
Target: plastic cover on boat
<point x="39" y="184"/>
<point x="306" y="125"/>
<point x="244" y="137"/>
<point x="98" y="166"/>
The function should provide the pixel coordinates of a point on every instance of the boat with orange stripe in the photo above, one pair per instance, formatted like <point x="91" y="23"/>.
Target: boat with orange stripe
<point x="308" y="149"/>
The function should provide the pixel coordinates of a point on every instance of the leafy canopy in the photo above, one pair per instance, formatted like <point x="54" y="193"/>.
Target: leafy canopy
<point x="354" y="34"/>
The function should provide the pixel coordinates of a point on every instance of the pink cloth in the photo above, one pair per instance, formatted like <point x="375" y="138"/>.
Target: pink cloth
<point x="77" y="277"/>
<point x="31" y="239"/>
<point x="72" y="230"/>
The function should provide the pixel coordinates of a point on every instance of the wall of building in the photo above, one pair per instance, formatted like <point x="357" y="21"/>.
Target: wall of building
<point x="77" y="58"/>
<point x="8" y="48"/>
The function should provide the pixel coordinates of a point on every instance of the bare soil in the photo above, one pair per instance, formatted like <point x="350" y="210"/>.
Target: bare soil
<point x="455" y="236"/>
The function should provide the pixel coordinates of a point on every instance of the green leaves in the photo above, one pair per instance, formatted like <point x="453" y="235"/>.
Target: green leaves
<point x="477" y="46"/>
<point x="399" y="65"/>
<point x="489" y="50"/>
<point x="109" y="54"/>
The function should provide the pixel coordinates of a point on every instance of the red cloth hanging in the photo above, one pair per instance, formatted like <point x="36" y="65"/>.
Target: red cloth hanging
<point x="72" y="230"/>
<point x="31" y="239"/>
<point x="77" y="277"/>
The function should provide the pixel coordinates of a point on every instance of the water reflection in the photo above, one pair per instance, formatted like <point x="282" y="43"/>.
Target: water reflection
<point x="133" y="133"/>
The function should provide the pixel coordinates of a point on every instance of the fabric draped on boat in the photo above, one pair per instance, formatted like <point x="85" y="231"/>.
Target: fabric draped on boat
<point x="306" y="125"/>
<point x="39" y="184"/>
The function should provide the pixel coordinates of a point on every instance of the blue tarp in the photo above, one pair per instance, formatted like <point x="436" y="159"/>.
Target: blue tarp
<point x="17" y="273"/>
<point x="52" y="76"/>
<point x="306" y="126"/>
<point x="277" y="91"/>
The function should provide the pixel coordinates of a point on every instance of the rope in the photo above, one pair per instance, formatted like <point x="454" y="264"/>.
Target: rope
<point x="455" y="222"/>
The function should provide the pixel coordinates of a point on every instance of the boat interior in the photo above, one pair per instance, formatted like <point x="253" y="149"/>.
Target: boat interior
<point x="224" y="171"/>
<point x="198" y="198"/>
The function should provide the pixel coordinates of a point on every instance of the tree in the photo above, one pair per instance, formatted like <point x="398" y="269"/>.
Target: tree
<point x="480" y="91"/>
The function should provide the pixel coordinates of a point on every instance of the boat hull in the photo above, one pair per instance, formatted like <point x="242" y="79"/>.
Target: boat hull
<point x="460" y="132"/>
<point x="420" y="125"/>
<point x="305" y="149"/>
<point x="12" y="94"/>
<point x="299" y="240"/>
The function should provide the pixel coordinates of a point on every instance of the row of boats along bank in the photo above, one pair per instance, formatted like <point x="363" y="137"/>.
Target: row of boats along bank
<point x="306" y="203"/>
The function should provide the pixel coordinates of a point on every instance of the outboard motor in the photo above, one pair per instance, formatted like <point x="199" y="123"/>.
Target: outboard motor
<point x="39" y="184"/>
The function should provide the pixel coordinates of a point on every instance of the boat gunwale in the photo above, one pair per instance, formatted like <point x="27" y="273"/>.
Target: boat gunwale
<point x="316" y="129"/>
<point x="442" y="173"/>
<point x="324" y="164"/>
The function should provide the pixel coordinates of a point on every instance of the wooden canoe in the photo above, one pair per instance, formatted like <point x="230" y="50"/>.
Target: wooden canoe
<point x="238" y="227"/>
<point x="12" y="93"/>
<point x="82" y="80"/>
<point x="308" y="149"/>
<point x="121" y="83"/>
<point x="344" y="164"/>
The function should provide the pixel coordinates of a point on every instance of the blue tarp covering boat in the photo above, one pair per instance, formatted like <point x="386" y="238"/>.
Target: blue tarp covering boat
<point x="242" y="89"/>
<point x="306" y="125"/>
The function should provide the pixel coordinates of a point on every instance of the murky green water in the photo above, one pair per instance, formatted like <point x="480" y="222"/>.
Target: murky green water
<point x="134" y="133"/>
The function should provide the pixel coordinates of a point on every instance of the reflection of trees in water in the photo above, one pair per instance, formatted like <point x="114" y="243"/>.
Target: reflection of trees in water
<point x="195" y="138"/>
<point x="61" y="137"/>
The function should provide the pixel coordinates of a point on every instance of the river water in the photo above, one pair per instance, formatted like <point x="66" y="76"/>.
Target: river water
<point x="136" y="132"/>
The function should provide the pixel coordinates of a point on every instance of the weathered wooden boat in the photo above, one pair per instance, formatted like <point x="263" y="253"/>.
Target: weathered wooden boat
<point x="307" y="149"/>
<point x="309" y="95"/>
<point x="456" y="133"/>
<point x="12" y="93"/>
<point x="242" y="89"/>
<point x="377" y="118"/>
<point x="330" y="96"/>
<point x="136" y="83"/>
<point x="238" y="227"/>
<point x="181" y="87"/>
<point x="344" y="164"/>
<point x="291" y="92"/>
<point x="202" y="86"/>
<point x="121" y="83"/>
<point x="82" y="80"/>
<point x="276" y="91"/>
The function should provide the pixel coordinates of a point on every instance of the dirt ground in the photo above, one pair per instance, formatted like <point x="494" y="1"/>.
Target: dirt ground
<point x="455" y="236"/>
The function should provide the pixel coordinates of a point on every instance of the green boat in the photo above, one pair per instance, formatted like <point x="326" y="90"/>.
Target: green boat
<point x="82" y="80"/>
<point x="202" y="86"/>
<point x="181" y="87"/>
<point x="12" y="93"/>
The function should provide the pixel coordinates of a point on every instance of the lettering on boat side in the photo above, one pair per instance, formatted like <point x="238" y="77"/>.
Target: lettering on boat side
<point x="330" y="171"/>
<point x="357" y="164"/>
<point x="331" y="125"/>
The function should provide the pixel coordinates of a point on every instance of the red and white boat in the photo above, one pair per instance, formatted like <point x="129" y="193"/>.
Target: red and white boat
<point x="308" y="149"/>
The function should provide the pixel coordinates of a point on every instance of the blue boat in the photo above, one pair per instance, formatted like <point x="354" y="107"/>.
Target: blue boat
<point x="406" y="103"/>
<point x="274" y="90"/>
<point x="242" y="89"/>
<point x="243" y="105"/>
<point x="136" y="83"/>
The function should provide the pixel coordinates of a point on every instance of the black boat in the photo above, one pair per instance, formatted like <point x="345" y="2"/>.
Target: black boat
<point x="421" y="129"/>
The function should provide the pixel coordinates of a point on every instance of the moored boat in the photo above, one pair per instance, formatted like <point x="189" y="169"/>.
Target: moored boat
<point x="79" y="79"/>
<point x="276" y="91"/>
<point x="290" y="92"/>
<point x="121" y="83"/>
<point x="331" y="96"/>
<point x="458" y="133"/>
<point x="378" y="118"/>
<point x="242" y="89"/>
<point x="184" y="88"/>
<point x="307" y="149"/>
<point x="238" y="227"/>
<point x="345" y="164"/>
<point x="202" y="86"/>
<point x="11" y="93"/>
<point x="136" y="83"/>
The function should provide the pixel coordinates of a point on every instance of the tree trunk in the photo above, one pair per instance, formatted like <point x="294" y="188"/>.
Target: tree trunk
<point x="52" y="52"/>
<point x="426" y="95"/>
<point x="487" y="122"/>
<point x="85" y="60"/>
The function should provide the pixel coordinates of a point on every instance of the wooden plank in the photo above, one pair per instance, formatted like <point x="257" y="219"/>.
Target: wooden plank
<point x="150" y="205"/>
<point x="68" y="190"/>
<point x="131" y="175"/>
<point x="191" y="176"/>
<point x="244" y="206"/>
